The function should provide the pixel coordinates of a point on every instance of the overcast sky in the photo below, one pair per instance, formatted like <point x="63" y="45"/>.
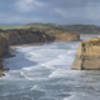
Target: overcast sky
<point x="50" y="11"/>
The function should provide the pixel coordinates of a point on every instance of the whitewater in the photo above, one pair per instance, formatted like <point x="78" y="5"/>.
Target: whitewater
<point x="44" y="72"/>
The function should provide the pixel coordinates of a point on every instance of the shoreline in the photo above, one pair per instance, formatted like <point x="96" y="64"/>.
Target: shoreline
<point x="37" y="44"/>
<point x="25" y="45"/>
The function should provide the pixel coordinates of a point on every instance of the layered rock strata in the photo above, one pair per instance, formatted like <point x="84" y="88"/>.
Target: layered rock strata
<point x="88" y="55"/>
<point x="22" y="36"/>
<point x="66" y="36"/>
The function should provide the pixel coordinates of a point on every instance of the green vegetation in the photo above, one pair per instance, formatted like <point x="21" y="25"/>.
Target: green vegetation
<point x="84" y="29"/>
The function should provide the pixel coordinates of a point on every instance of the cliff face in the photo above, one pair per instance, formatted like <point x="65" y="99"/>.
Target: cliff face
<point x="66" y="36"/>
<point x="4" y="51"/>
<point x="21" y="36"/>
<point x="88" y="55"/>
<point x="4" y="48"/>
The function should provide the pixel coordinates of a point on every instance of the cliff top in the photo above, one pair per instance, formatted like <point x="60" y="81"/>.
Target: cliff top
<point x="92" y="41"/>
<point x="84" y="29"/>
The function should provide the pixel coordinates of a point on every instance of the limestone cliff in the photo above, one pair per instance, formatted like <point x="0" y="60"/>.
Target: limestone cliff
<point x="22" y="36"/>
<point x="66" y="36"/>
<point x="88" y="55"/>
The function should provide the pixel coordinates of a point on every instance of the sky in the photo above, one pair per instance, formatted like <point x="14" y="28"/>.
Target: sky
<point x="49" y="11"/>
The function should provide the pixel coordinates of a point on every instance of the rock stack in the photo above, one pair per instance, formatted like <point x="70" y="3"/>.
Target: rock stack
<point x="88" y="55"/>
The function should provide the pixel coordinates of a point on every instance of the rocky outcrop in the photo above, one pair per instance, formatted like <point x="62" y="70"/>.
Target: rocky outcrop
<point x="4" y="48"/>
<point x="4" y="51"/>
<point x="25" y="36"/>
<point x="66" y="36"/>
<point x="22" y="36"/>
<point x="88" y="55"/>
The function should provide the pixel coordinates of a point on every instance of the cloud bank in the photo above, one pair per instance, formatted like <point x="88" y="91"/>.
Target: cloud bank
<point x="50" y="11"/>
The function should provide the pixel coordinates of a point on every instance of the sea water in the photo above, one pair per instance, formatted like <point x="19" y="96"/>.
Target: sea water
<point x="44" y="72"/>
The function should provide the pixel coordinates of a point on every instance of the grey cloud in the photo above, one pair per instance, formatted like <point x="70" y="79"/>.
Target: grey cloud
<point x="55" y="11"/>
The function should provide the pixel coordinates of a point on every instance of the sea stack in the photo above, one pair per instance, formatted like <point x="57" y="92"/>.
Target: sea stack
<point x="88" y="55"/>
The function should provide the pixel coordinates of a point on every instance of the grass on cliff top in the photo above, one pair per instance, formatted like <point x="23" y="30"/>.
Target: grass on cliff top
<point x="92" y="41"/>
<point x="34" y="25"/>
<point x="40" y="27"/>
<point x="84" y="29"/>
<point x="13" y="27"/>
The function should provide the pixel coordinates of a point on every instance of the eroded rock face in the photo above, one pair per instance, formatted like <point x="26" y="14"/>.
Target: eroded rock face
<point x="21" y="36"/>
<point x="24" y="36"/>
<point x="4" y="48"/>
<point x="66" y="36"/>
<point x="88" y="55"/>
<point x="4" y="51"/>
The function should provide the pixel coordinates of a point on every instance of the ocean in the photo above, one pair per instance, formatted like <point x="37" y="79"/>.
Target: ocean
<point x="44" y="72"/>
